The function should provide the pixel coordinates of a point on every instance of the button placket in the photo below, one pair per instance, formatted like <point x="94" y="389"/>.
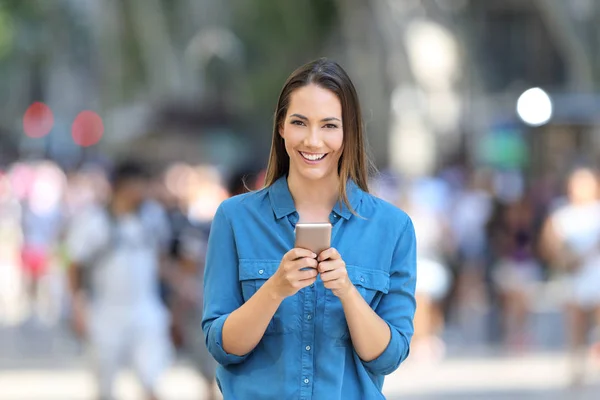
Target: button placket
<point x="308" y="337"/>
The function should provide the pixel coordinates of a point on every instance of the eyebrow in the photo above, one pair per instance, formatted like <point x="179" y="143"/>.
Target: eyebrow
<point x="323" y="120"/>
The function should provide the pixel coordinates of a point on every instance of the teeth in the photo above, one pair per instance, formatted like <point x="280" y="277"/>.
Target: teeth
<point x="312" y="157"/>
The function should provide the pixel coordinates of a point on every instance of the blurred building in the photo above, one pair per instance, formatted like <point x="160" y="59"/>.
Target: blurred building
<point x="438" y="79"/>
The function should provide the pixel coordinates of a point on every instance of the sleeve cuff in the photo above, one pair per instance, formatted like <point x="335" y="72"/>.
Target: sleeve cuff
<point x="214" y="343"/>
<point x="395" y="352"/>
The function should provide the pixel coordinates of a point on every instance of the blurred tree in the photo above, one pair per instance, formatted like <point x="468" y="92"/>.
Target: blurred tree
<point x="278" y="37"/>
<point x="117" y="55"/>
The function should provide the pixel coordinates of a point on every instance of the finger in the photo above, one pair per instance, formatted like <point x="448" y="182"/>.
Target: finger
<point x="333" y="275"/>
<point x="304" y="263"/>
<point x="329" y="254"/>
<point x="308" y="274"/>
<point x="306" y="282"/>
<point x="330" y="265"/>
<point x="297" y="253"/>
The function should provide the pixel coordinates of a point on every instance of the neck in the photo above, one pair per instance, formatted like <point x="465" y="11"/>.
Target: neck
<point x="314" y="199"/>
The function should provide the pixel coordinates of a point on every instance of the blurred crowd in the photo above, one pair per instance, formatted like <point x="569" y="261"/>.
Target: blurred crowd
<point x="114" y="252"/>
<point x="501" y="244"/>
<point x="489" y="242"/>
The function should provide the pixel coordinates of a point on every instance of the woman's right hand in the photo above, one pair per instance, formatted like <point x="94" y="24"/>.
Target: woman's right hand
<point x="289" y="277"/>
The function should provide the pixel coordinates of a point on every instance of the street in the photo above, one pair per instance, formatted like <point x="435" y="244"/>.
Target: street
<point x="38" y="363"/>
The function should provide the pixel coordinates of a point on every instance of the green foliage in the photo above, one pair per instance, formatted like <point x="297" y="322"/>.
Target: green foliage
<point x="278" y="37"/>
<point x="7" y="33"/>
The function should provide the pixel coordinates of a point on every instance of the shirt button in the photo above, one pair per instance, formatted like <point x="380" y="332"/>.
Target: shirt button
<point x="307" y="348"/>
<point x="362" y="279"/>
<point x="309" y="317"/>
<point x="306" y="381"/>
<point x="312" y="285"/>
<point x="261" y="271"/>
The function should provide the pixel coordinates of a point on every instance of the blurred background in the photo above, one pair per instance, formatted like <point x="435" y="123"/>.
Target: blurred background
<point x="482" y="117"/>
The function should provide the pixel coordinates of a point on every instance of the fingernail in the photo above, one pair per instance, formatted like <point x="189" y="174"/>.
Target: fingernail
<point x="314" y="255"/>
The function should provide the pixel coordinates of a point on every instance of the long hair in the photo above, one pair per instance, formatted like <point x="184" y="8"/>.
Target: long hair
<point x="354" y="163"/>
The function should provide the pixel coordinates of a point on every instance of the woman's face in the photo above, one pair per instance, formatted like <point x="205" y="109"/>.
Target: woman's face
<point x="313" y="133"/>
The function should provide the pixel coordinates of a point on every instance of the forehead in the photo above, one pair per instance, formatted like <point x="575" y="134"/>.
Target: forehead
<point x="315" y="102"/>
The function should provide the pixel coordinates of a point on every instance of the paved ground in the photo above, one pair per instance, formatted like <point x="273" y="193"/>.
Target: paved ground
<point x="528" y="377"/>
<point x="531" y="376"/>
<point x="38" y="363"/>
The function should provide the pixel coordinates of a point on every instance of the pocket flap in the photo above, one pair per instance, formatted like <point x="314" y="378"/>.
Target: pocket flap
<point x="369" y="278"/>
<point x="257" y="269"/>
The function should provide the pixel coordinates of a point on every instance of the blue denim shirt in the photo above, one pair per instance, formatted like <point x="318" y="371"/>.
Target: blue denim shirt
<point x="306" y="351"/>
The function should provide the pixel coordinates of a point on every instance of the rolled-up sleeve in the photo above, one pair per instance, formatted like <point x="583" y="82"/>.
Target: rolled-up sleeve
<point x="397" y="307"/>
<point x="222" y="292"/>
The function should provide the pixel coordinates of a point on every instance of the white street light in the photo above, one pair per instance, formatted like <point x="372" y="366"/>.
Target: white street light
<point x="534" y="107"/>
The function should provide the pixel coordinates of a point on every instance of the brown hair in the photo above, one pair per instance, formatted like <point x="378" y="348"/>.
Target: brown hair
<point x="354" y="163"/>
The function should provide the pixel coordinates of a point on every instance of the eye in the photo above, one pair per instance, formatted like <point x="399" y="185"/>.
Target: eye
<point x="331" y="126"/>
<point x="297" y="122"/>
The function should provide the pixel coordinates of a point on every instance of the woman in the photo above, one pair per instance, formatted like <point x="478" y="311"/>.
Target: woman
<point x="284" y="323"/>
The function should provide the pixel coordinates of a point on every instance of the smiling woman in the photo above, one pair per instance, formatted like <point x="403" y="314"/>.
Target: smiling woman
<point x="328" y="325"/>
<point x="314" y="139"/>
<point x="320" y="98"/>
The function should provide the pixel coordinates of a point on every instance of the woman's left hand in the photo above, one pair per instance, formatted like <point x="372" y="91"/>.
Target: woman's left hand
<point x="333" y="272"/>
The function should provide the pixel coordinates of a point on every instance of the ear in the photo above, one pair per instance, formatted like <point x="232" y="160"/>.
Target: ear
<point x="280" y="130"/>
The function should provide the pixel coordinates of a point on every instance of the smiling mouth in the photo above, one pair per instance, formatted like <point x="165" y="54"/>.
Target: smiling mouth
<point x="312" y="156"/>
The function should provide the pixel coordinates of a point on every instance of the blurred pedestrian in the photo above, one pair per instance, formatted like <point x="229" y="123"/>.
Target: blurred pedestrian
<point x="516" y="270"/>
<point x="187" y="250"/>
<point x="427" y="206"/>
<point x="571" y="242"/>
<point x="191" y="252"/>
<point x="244" y="180"/>
<point x="116" y="252"/>
<point x="43" y="219"/>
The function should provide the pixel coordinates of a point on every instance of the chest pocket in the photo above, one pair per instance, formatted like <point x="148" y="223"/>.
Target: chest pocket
<point x="371" y="284"/>
<point x="252" y="275"/>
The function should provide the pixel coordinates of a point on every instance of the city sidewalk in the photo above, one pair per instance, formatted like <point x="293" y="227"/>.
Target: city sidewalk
<point x="539" y="376"/>
<point x="47" y="364"/>
<point x="531" y="376"/>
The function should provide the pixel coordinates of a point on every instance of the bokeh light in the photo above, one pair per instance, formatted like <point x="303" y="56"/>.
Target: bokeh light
<point x="21" y="177"/>
<point x="87" y="129"/>
<point x="179" y="179"/>
<point x="47" y="188"/>
<point x="534" y="107"/>
<point x="38" y="120"/>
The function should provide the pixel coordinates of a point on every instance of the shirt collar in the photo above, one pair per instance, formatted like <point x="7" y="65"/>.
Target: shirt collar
<point x="281" y="198"/>
<point x="283" y="203"/>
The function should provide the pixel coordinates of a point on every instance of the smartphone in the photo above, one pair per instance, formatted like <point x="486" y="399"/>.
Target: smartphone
<point x="315" y="237"/>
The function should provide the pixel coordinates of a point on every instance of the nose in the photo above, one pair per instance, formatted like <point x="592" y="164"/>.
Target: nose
<point x="313" y="138"/>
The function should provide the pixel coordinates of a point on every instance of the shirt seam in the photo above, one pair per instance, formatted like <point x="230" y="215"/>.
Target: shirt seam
<point x="231" y="228"/>
<point x="404" y="229"/>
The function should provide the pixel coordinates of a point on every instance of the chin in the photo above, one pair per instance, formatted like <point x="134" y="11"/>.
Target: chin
<point x="315" y="175"/>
